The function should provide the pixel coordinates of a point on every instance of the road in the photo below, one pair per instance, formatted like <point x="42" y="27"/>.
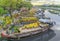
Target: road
<point x="50" y="35"/>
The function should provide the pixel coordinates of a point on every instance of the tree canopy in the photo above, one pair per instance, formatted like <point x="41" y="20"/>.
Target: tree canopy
<point x="11" y="5"/>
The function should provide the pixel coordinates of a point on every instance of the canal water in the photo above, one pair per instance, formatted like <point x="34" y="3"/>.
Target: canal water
<point x="55" y="28"/>
<point x="45" y="36"/>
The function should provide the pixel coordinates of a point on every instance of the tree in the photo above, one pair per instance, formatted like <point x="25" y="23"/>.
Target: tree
<point x="32" y="11"/>
<point x="2" y="11"/>
<point x="26" y="4"/>
<point x="11" y="5"/>
<point x="5" y="3"/>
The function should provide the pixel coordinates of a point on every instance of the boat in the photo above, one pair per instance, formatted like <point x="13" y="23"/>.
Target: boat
<point x="26" y="32"/>
<point x="24" y="26"/>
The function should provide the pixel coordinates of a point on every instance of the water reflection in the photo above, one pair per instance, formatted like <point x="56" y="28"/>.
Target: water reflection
<point x="46" y="36"/>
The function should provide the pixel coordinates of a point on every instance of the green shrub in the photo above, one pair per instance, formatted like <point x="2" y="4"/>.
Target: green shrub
<point x="2" y="11"/>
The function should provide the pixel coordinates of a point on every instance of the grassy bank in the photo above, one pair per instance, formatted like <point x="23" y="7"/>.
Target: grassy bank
<point x="57" y="6"/>
<point x="54" y="11"/>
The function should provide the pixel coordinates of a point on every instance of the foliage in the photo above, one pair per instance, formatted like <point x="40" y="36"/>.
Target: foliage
<point x="11" y="5"/>
<point x="32" y="11"/>
<point x="26" y="19"/>
<point x="26" y="4"/>
<point x="24" y="11"/>
<point x="32" y="25"/>
<point x="8" y="20"/>
<point x="14" y="28"/>
<point x="2" y="11"/>
<point x="54" y="11"/>
<point x="58" y="6"/>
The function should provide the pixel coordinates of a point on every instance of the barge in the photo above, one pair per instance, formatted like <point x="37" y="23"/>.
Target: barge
<point x="26" y="32"/>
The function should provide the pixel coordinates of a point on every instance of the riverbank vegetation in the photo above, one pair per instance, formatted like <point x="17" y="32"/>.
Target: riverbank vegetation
<point x="8" y="6"/>
<point x="55" y="12"/>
